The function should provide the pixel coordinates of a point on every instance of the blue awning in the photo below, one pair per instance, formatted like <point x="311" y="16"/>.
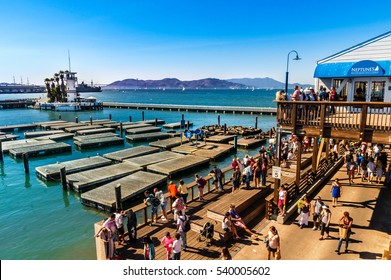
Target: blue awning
<point x="344" y="69"/>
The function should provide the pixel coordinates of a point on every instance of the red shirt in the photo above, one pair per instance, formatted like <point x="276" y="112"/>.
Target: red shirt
<point x="173" y="190"/>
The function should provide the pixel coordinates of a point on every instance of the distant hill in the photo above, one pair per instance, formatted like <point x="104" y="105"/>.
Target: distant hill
<point x="170" y="83"/>
<point x="264" y="83"/>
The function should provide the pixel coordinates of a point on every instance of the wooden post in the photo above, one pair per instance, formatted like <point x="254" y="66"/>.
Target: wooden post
<point x="155" y="122"/>
<point x="59" y="116"/>
<point x="63" y="175"/>
<point x="218" y="119"/>
<point x="130" y="118"/>
<point x="256" y="122"/>
<point x="363" y="121"/>
<point x="314" y="156"/>
<point x="90" y="120"/>
<point x="298" y="165"/>
<point x="183" y="117"/>
<point x="1" y="151"/>
<point x="118" y="202"/>
<point x="277" y="163"/>
<point x="188" y="125"/>
<point x="25" y="157"/>
<point x="142" y="115"/>
<point x="120" y="128"/>
<point x="109" y="116"/>
<point x="235" y="144"/>
<point x="225" y="129"/>
<point x="76" y="120"/>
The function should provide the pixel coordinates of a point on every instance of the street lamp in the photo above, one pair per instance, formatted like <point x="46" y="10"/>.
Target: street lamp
<point x="287" y="66"/>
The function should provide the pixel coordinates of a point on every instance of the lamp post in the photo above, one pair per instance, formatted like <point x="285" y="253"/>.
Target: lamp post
<point x="287" y="68"/>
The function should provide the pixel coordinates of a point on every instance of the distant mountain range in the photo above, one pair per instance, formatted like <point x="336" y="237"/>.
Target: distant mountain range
<point x="172" y="83"/>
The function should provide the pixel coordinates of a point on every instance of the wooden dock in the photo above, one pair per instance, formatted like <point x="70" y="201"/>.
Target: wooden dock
<point x="38" y="150"/>
<point x="173" y="167"/>
<point x="146" y="160"/>
<point x="137" y="125"/>
<point x="250" y="142"/>
<point x="56" y="137"/>
<point x="143" y="130"/>
<point x="176" y="125"/>
<point x="74" y="129"/>
<point x="93" y="136"/>
<point x="208" y="150"/>
<point x="41" y="133"/>
<point x="220" y="138"/>
<point x="6" y="146"/>
<point x="99" y="142"/>
<point x="10" y="128"/>
<point x="111" y="124"/>
<point x="85" y="180"/>
<point x="62" y="126"/>
<point x="48" y="123"/>
<point x="131" y="186"/>
<point x="95" y="131"/>
<point x="51" y="172"/>
<point x="147" y="136"/>
<point x="8" y="137"/>
<point x="130" y="153"/>
<point x="169" y="143"/>
<point x="101" y="121"/>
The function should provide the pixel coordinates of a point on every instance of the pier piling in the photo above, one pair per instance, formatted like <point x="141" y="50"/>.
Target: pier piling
<point x="118" y="203"/>
<point x="225" y="129"/>
<point x="76" y="120"/>
<point x="218" y="119"/>
<point x="188" y="125"/>
<point x="59" y="116"/>
<point x="183" y="117"/>
<point x="25" y="157"/>
<point x="142" y="116"/>
<point x="235" y="144"/>
<point x="120" y="128"/>
<point x="256" y="122"/>
<point x="90" y="120"/>
<point x="1" y="151"/>
<point x="130" y="118"/>
<point x="109" y="116"/>
<point x="155" y="122"/>
<point x="63" y="175"/>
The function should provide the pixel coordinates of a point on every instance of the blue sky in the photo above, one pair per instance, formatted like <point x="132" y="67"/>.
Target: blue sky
<point x="185" y="39"/>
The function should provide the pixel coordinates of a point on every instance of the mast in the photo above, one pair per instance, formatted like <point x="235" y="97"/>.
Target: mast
<point x="69" y="61"/>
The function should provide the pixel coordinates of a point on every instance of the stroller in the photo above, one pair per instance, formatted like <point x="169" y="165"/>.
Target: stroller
<point x="206" y="234"/>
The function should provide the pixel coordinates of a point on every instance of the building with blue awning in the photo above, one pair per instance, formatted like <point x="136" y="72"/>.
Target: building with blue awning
<point x="359" y="73"/>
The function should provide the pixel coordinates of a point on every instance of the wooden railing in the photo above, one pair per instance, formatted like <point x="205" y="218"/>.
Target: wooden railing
<point x="360" y="117"/>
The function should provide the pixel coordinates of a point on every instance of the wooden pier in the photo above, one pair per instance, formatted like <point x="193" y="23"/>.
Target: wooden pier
<point x="62" y="126"/>
<point x="173" y="167"/>
<point x="6" y="146"/>
<point x="10" y="128"/>
<point x="143" y="130"/>
<point x="98" y="142"/>
<point x="249" y="142"/>
<point x="74" y="129"/>
<point x="147" y="136"/>
<point x="146" y="160"/>
<point x="49" y="123"/>
<point x="95" y="131"/>
<point x="220" y="138"/>
<point x="85" y="180"/>
<point x="121" y="155"/>
<point x="41" y="149"/>
<point x="176" y="125"/>
<point x="56" y="137"/>
<point x="133" y="185"/>
<point x="8" y="137"/>
<point x="137" y="125"/>
<point x="41" y="133"/>
<point x="208" y="150"/>
<point x="169" y="143"/>
<point x="51" y="172"/>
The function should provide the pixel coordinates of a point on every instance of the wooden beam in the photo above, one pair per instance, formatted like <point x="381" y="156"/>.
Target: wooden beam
<point x="315" y="154"/>
<point x="319" y="153"/>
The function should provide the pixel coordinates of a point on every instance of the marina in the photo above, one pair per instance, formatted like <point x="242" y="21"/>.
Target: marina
<point x="121" y="155"/>
<point x="104" y="197"/>
<point x="51" y="172"/>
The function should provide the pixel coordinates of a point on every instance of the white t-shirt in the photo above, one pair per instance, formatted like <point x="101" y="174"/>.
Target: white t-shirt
<point x="177" y="246"/>
<point x="180" y="222"/>
<point x="119" y="220"/>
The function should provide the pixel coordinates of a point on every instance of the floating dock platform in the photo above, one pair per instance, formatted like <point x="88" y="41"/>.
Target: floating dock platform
<point x="220" y="138"/>
<point x="176" y="125"/>
<point x="41" y="149"/>
<point x="41" y="133"/>
<point x="56" y="137"/>
<point x="173" y="167"/>
<point x="142" y="130"/>
<point x="208" y="150"/>
<point x="8" y="137"/>
<point x="147" y="136"/>
<point x="146" y="160"/>
<point x="131" y="186"/>
<point x="121" y="155"/>
<point x="169" y="143"/>
<point x="74" y="129"/>
<point x="99" y="142"/>
<point x="85" y="180"/>
<point x="250" y="142"/>
<point x="51" y="172"/>
<point x="10" y="128"/>
<point x="95" y="131"/>
<point x="6" y="146"/>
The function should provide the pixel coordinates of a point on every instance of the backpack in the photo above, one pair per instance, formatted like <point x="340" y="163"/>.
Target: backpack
<point x="155" y="202"/>
<point x="186" y="224"/>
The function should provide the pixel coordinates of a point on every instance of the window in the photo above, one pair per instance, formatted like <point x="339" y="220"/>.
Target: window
<point x="343" y="94"/>
<point x="377" y="92"/>
<point x="360" y="89"/>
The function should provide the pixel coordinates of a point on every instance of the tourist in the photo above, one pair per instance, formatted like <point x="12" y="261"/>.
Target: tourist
<point x="263" y="172"/>
<point x="238" y="222"/>
<point x="182" y="191"/>
<point x="180" y="227"/>
<point x="273" y="242"/>
<point x="296" y="94"/>
<point x="225" y="255"/>
<point x="345" y="223"/>
<point x="376" y="150"/>
<point x="246" y="160"/>
<point x="163" y="202"/>
<point x="262" y="151"/>
<point x="257" y="173"/>
<point x="240" y="165"/>
<point x="219" y="177"/>
<point x="316" y="210"/>
<point x="236" y="177"/>
<point x="132" y="225"/>
<point x="109" y="223"/>
<point x="107" y="237"/>
<point x="359" y="159"/>
<point x="178" y="205"/>
<point x="228" y="226"/>
<point x="306" y="144"/>
<point x="247" y="175"/>
<point x="119" y="215"/>
<point x="325" y="222"/>
<point x="173" y="190"/>
<point x="336" y="192"/>
<point x="379" y="170"/>
<point x="214" y="179"/>
<point x="284" y="150"/>
<point x="282" y="200"/>
<point x="149" y="248"/>
<point x="177" y="247"/>
<point x="371" y="169"/>
<point x="352" y="169"/>
<point x="304" y="212"/>
<point x="167" y="242"/>
<point x="150" y="198"/>
<point x="201" y="182"/>
<point x="363" y="168"/>
<point x="234" y="163"/>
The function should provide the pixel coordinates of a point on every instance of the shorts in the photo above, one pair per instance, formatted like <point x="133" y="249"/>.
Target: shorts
<point x="239" y="224"/>
<point x="121" y="230"/>
<point x="271" y="249"/>
<point x="281" y="202"/>
<point x="226" y="230"/>
<point x="153" y="210"/>
<point x="315" y="217"/>
<point x="284" y="156"/>
<point x="163" y="205"/>
<point x="351" y="172"/>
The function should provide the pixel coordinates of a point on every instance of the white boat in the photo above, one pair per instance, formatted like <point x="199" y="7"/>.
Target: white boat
<point x="67" y="106"/>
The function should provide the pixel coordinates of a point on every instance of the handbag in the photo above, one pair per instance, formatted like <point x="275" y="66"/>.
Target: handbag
<point x="278" y="255"/>
<point x="343" y="232"/>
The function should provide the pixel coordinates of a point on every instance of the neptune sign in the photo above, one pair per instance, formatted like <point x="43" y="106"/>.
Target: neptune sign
<point x="366" y="68"/>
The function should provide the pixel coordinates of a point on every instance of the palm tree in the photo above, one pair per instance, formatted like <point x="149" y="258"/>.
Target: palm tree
<point x="53" y="90"/>
<point x="48" y="89"/>
<point x="63" y="87"/>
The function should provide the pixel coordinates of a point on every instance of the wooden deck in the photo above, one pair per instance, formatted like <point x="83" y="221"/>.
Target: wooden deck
<point x="95" y="131"/>
<point x="41" y="133"/>
<point x="74" y="129"/>
<point x="169" y="143"/>
<point x="208" y="150"/>
<point x="176" y="125"/>
<point x="51" y="172"/>
<point x="147" y="136"/>
<point x="131" y="186"/>
<point x="137" y="125"/>
<point x="62" y="126"/>
<point x="102" y="121"/>
<point x="248" y="143"/>
<point x="41" y="149"/>
<point x="144" y="161"/>
<point x="131" y="153"/>
<point x="99" y="142"/>
<point x="220" y="138"/>
<point x="142" y="130"/>
<point x="10" y="128"/>
<point x="8" y="137"/>
<point x="175" y="166"/>
<point x="56" y="137"/>
<point x="6" y="146"/>
<point x="85" y="180"/>
<point x="93" y="136"/>
<point x="49" y="123"/>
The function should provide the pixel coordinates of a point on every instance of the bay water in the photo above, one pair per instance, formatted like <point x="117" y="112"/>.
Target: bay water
<point x="40" y="221"/>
